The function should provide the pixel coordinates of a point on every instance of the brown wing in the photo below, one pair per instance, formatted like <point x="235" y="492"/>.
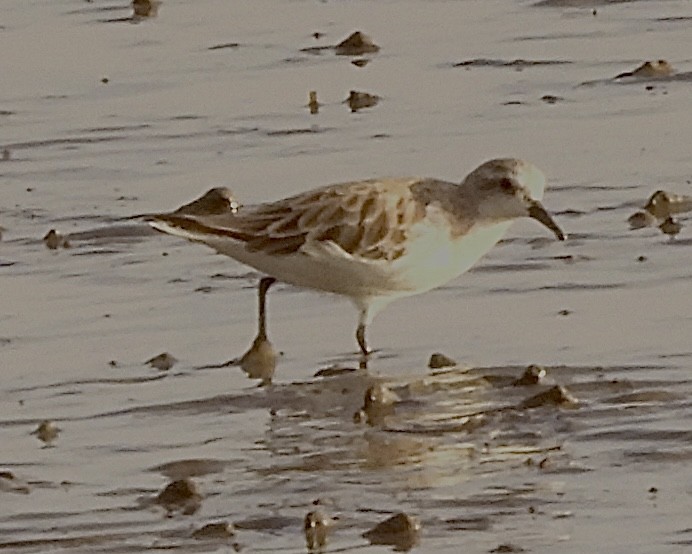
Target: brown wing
<point x="366" y="219"/>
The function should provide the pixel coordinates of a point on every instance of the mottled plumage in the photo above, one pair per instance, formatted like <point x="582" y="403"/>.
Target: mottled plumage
<point x="375" y="240"/>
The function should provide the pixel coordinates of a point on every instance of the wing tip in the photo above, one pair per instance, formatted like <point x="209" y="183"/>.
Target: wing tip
<point x="170" y="225"/>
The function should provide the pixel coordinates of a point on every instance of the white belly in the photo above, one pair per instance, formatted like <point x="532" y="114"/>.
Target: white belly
<point x="430" y="261"/>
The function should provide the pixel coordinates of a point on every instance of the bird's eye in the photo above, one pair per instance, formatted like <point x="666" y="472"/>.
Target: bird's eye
<point x="506" y="185"/>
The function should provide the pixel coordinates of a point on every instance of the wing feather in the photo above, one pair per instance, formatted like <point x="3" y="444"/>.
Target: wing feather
<point x="370" y="220"/>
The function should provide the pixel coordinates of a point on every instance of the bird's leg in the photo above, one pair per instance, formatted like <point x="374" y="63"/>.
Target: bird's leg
<point x="260" y="360"/>
<point x="264" y="285"/>
<point x="360" y="337"/>
<point x="364" y="353"/>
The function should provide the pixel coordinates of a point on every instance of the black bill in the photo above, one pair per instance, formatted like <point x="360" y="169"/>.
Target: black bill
<point x="537" y="212"/>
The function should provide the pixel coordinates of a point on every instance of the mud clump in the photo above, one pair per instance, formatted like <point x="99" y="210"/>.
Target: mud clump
<point x="507" y="548"/>
<point x="649" y="70"/>
<point x="551" y="99"/>
<point x="554" y="396"/>
<point x="316" y="527"/>
<point x="439" y="360"/>
<point x="162" y="362"/>
<point x="313" y="104"/>
<point x="400" y="531"/>
<point x="663" y="204"/>
<point x="216" y="201"/>
<point x="532" y="375"/>
<point x="670" y="227"/>
<point x="641" y="219"/>
<point x="47" y="431"/>
<point x="659" y="211"/>
<point x="356" y="44"/>
<point x="360" y="62"/>
<point x="180" y="495"/>
<point x="379" y="402"/>
<point x="54" y="240"/>
<point x="10" y="483"/>
<point x="218" y="530"/>
<point x="359" y="100"/>
<point x="145" y="8"/>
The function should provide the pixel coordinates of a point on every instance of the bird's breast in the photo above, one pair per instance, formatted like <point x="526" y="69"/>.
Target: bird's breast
<point x="434" y="259"/>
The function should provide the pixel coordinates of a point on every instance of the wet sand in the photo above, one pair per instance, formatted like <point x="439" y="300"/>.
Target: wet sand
<point x="155" y="112"/>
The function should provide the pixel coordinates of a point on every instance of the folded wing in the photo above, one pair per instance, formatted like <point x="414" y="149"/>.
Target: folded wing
<point x="369" y="220"/>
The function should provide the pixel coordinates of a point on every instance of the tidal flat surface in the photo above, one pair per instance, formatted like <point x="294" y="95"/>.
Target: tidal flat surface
<point x="104" y="115"/>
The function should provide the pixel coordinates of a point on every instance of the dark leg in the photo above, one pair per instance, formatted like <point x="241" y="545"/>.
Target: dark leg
<point x="360" y="337"/>
<point x="260" y="360"/>
<point x="264" y="285"/>
<point x="364" y="352"/>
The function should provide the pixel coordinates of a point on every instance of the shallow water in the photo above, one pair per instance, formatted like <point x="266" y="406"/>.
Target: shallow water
<point x="179" y="115"/>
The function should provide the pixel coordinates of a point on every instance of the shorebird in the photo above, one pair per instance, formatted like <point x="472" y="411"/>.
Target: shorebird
<point x="377" y="240"/>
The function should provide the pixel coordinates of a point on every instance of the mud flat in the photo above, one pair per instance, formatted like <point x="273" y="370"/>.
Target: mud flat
<point x="587" y="451"/>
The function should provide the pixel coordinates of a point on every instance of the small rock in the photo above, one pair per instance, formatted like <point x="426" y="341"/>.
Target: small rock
<point x="664" y="204"/>
<point x="401" y="531"/>
<point x="550" y="99"/>
<point x="554" y="396"/>
<point x="506" y="548"/>
<point x="54" y="240"/>
<point x="438" y="361"/>
<point x="642" y="258"/>
<point x="670" y="227"/>
<point x="162" y="362"/>
<point x="564" y="312"/>
<point x="650" y="70"/>
<point x="359" y="100"/>
<point x="356" y="44"/>
<point x="532" y="376"/>
<point x="360" y="417"/>
<point x="379" y="402"/>
<point x="360" y="62"/>
<point x="219" y="530"/>
<point x="334" y="371"/>
<point x="316" y="526"/>
<point x="181" y="494"/>
<point x="10" y="483"/>
<point x="224" y="45"/>
<point x="145" y="8"/>
<point x="47" y="431"/>
<point x="641" y="219"/>
<point x="216" y="201"/>
<point x="313" y="104"/>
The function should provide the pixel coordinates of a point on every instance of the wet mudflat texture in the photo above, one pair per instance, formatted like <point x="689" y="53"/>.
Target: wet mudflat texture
<point x="113" y="113"/>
